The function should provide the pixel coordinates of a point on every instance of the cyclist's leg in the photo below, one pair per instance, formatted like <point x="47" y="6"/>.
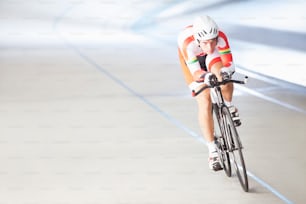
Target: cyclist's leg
<point x="205" y="116"/>
<point x="204" y="113"/>
<point x="207" y="127"/>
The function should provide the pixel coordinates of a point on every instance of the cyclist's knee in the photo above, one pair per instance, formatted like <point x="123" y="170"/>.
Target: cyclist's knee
<point x="203" y="99"/>
<point x="227" y="87"/>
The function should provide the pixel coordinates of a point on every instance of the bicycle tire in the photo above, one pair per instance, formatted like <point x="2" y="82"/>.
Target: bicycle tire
<point x="235" y="148"/>
<point x="222" y="144"/>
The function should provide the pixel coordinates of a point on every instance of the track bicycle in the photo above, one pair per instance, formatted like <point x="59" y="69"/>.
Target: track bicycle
<point x="227" y="139"/>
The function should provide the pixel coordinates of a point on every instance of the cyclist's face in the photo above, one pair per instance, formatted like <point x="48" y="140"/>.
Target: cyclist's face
<point x="208" y="46"/>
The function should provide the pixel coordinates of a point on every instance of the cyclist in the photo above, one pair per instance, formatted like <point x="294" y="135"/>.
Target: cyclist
<point x="203" y="50"/>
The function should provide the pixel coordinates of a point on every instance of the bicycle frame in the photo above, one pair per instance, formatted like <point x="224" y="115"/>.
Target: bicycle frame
<point x="227" y="138"/>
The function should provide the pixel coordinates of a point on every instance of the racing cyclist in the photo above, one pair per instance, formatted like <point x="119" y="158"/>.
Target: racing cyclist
<point x="204" y="49"/>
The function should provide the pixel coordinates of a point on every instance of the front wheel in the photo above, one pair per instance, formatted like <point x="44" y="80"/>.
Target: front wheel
<point x="235" y="148"/>
<point x="222" y="145"/>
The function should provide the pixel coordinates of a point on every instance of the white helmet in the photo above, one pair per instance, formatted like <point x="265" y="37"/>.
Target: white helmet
<point x="204" y="28"/>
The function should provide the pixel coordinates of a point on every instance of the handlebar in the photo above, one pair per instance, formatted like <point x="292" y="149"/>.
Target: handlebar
<point x="215" y="83"/>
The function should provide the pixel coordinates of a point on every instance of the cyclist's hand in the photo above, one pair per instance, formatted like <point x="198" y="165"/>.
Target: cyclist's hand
<point x="207" y="78"/>
<point x="198" y="75"/>
<point x="227" y="72"/>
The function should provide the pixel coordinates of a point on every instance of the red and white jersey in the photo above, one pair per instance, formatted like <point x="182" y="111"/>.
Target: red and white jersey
<point x="190" y="50"/>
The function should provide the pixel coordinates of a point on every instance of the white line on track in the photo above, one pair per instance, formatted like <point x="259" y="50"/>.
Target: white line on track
<point x="262" y="96"/>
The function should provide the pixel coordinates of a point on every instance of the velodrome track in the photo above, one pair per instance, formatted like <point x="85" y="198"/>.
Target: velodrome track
<point x="94" y="109"/>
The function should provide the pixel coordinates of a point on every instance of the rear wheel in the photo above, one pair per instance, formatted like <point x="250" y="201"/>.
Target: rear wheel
<point x="235" y="148"/>
<point x="222" y="145"/>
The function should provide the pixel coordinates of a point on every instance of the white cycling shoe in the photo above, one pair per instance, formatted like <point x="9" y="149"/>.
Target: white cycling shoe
<point x="214" y="162"/>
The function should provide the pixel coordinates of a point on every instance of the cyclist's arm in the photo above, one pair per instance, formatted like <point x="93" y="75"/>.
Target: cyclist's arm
<point x="188" y="51"/>
<point x="224" y="50"/>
